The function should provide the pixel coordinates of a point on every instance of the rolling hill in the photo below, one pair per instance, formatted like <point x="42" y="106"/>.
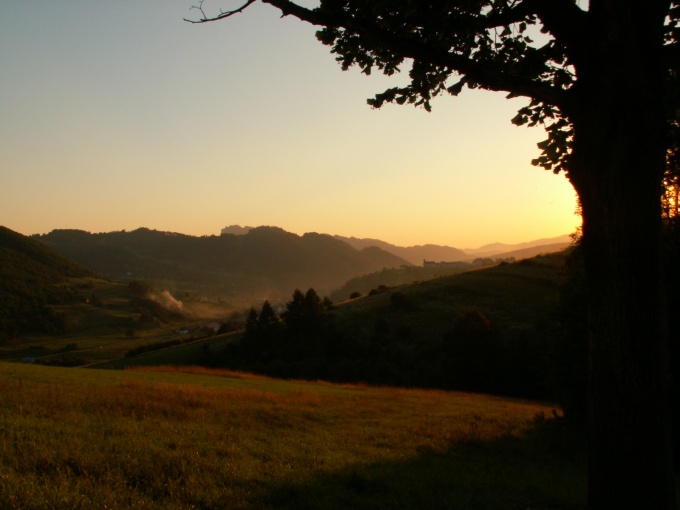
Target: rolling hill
<point x="522" y="250"/>
<point x="55" y="311"/>
<point x="264" y="263"/>
<point x="32" y="277"/>
<point x="416" y="254"/>
<point x="491" y="330"/>
<point x="79" y="438"/>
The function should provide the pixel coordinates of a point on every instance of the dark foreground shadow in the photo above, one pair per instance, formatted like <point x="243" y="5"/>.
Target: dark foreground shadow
<point x="544" y="470"/>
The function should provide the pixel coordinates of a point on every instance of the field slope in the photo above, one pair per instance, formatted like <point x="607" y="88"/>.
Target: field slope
<point x="78" y="438"/>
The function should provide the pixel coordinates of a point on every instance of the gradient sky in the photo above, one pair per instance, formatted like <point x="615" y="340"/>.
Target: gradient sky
<point x="118" y="114"/>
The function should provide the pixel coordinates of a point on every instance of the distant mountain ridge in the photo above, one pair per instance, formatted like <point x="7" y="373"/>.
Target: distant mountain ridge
<point x="493" y="249"/>
<point x="437" y="253"/>
<point x="263" y="263"/>
<point x="236" y="230"/>
<point x="414" y="254"/>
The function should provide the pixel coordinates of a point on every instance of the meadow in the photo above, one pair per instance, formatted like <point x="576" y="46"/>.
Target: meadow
<point x="182" y="438"/>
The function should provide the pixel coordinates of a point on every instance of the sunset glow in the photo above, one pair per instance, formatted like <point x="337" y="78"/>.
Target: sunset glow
<point x="120" y="115"/>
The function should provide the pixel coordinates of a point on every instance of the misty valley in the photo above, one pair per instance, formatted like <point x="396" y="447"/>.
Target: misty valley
<point x="76" y="298"/>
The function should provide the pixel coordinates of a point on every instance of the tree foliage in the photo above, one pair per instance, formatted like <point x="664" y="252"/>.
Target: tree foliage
<point x="528" y="48"/>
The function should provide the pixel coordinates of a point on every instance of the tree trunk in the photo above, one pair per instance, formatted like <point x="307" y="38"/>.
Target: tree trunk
<point x="616" y="168"/>
<point x="630" y="448"/>
<point x="630" y="430"/>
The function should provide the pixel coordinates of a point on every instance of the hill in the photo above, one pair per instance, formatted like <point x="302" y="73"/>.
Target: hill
<point x="264" y="263"/>
<point x="78" y="438"/>
<point x="417" y="254"/>
<point x="492" y="330"/>
<point x="526" y="249"/>
<point x="531" y="251"/>
<point x="32" y="277"/>
<point x="53" y="311"/>
<point x="414" y="254"/>
<point x="394" y="277"/>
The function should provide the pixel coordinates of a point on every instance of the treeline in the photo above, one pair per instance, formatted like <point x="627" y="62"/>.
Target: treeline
<point x="306" y="340"/>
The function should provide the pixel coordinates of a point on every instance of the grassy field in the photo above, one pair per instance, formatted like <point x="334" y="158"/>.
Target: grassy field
<point x="193" y="438"/>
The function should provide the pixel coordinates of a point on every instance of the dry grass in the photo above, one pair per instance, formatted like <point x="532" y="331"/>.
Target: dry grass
<point x="198" y="438"/>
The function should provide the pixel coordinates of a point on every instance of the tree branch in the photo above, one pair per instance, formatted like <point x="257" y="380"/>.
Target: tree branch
<point x="489" y="75"/>
<point x="222" y="15"/>
<point x="563" y="18"/>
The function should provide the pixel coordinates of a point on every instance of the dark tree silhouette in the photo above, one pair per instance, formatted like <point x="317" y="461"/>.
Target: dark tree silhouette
<point x="603" y="86"/>
<point x="305" y="312"/>
<point x="251" y="323"/>
<point x="293" y="317"/>
<point x="263" y="324"/>
<point x="267" y="321"/>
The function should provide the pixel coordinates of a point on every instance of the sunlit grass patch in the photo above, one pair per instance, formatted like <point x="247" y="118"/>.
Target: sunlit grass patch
<point x="205" y="439"/>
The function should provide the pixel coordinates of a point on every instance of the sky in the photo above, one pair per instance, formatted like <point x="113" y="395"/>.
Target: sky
<point x="116" y="115"/>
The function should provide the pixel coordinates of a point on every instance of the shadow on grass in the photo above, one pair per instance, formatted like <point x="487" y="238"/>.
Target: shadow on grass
<point x="546" y="469"/>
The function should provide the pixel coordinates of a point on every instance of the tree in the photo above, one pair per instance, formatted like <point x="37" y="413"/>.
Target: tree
<point x="267" y="321"/>
<point x="263" y="324"/>
<point x="603" y="84"/>
<point x="251" y="328"/>
<point x="293" y="317"/>
<point x="305" y="312"/>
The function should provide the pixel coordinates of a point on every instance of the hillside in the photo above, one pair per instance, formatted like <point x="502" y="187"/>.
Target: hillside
<point x="532" y="251"/>
<point x="514" y="296"/>
<point x="55" y="312"/>
<point x="414" y="254"/>
<point x="265" y="262"/>
<point x="32" y="277"/>
<point x="545" y="245"/>
<point x="490" y="330"/>
<point x="162" y="440"/>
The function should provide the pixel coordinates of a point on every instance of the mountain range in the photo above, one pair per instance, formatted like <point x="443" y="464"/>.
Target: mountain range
<point x="238" y="268"/>
<point x="417" y="254"/>
<point x="438" y="253"/>
<point x="246" y="264"/>
<point x="264" y="263"/>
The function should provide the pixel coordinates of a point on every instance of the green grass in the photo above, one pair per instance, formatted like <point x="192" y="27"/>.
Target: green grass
<point x="77" y="438"/>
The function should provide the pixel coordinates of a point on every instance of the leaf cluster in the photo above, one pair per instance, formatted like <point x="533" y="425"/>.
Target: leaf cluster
<point x="448" y="45"/>
<point x="473" y="44"/>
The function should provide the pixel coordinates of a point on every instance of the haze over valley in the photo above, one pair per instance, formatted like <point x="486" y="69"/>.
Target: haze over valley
<point x="253" y="264"/>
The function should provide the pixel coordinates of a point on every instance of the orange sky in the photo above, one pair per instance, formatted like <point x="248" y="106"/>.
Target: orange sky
<point x="117" y="115"/>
